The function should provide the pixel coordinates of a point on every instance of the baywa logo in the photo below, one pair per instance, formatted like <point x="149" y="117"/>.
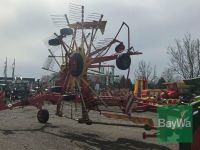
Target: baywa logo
<point x="174" y="123"/>
<point x="178" y="123"/>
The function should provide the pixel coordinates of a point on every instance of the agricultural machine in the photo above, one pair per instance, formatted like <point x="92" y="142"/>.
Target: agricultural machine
<point x="80" y="54"/>
<point x="176" y="94"/>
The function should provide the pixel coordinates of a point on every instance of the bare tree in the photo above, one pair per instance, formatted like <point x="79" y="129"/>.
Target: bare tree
<point x="168" y="75"/>
<point x="146" y="72"/>
<point x="185" y="57"/>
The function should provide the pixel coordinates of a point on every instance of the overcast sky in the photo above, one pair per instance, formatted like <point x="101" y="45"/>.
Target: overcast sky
<point x="154" y="24"/>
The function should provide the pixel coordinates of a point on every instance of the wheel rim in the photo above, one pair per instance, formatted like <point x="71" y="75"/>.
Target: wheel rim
<point x="196" y="140"/>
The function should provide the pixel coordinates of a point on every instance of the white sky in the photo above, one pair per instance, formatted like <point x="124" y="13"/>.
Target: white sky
<point x="154" y="25"/>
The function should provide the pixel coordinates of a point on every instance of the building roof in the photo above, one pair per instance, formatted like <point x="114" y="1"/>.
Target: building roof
<point x="24" y="79"/>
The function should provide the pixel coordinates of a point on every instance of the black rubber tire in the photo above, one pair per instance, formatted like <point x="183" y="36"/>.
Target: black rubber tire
<point x="54" y="42"/>
<point x="43" y="115"/>
<point x="119" y="48"/>
<point x="66" y="31"/>
<point x="123" y="61"/>
<point x="76" y="64"/>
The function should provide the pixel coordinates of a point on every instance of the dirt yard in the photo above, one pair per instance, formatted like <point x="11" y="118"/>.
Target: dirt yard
<point x="20" y="130"/>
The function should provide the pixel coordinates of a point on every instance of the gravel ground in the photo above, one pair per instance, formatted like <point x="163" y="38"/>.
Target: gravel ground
<point x="20" y="130"/>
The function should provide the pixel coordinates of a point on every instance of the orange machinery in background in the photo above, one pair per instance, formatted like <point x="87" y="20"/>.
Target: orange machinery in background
<point x="173" y="89"/>
<point x="141" y="89"/>
<point x="140" y="85"/>
<point x="149" y="99"/>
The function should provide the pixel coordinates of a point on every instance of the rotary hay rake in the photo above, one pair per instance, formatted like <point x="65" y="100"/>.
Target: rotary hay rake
<point x="80" y="54"/>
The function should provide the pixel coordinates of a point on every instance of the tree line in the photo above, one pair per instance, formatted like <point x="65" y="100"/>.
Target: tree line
<point x="184" y="62"/>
